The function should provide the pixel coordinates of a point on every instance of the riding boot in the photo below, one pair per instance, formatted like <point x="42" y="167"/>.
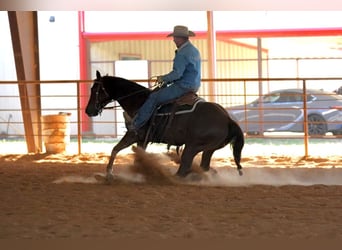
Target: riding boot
<point x="129" y="124"/>
<point x="130" y="128"/>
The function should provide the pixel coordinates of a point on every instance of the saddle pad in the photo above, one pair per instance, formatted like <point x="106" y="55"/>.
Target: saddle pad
<point x="180" y="109"/>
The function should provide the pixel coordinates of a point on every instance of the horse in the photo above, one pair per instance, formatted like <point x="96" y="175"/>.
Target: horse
<point x="205" y="129"/>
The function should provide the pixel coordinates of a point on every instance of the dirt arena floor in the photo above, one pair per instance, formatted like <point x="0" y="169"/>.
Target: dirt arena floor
<point x="63" y="197"/>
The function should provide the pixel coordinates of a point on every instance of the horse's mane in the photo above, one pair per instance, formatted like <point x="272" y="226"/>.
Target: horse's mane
<point x="120" y="82"/>
<point x="120" y="87"/>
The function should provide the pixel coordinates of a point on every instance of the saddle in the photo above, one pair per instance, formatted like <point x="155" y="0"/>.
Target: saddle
<point x="162" y="117"/>
<point x="184" y="104"/>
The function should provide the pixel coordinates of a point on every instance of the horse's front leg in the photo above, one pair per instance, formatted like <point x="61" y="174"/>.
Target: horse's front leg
<point x="128" y="139"/>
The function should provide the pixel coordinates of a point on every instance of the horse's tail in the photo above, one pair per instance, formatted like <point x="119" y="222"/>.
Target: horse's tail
<point x="237" y="141"/>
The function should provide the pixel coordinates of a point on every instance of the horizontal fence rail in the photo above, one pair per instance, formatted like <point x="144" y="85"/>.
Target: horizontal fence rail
<point x="70" y="97"/>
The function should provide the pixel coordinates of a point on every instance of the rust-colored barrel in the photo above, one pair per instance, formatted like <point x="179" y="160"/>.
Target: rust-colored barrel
<point x="56" y="132"/>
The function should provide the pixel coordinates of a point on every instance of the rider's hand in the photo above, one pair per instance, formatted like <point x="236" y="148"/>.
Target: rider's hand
<point x="160" y="81"/>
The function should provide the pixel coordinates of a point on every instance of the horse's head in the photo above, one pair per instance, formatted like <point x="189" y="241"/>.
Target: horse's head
<point x="99" y="97"/>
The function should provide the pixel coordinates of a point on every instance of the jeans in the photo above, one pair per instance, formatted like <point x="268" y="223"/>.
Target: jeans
<point x="155" y="99"/>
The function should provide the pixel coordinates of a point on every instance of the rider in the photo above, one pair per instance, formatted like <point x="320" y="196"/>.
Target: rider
<point x="185" y="77"/>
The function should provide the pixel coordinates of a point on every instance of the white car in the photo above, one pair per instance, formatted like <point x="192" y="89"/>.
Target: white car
<point x="282" y="110"/>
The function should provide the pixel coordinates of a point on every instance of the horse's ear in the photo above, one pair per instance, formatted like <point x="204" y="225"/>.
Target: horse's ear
<point x="98" y="75"/>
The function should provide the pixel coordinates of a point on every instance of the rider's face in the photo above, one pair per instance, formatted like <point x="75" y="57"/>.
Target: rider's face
<point x="179" y="41"/>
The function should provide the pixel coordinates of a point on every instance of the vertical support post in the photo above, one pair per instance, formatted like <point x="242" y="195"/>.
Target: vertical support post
<point x="79" y="128"/>
<point x="24" y="34"/>
<point x="297" y="72"/>
<point x="261" y="110"/>
<point x="211" y="36"/>
<point x="245" y="104"/>
<point x="83" y="92"/>
<point x="305" y="122"/>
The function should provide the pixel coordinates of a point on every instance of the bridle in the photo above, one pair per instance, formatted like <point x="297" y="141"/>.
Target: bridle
<point x="98" y="105"/>
<point x="100" y="87"/>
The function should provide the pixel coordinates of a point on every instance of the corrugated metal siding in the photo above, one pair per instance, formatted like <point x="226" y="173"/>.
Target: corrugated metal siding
<point x="148" y="50"/>
<point x="234" y="60"/>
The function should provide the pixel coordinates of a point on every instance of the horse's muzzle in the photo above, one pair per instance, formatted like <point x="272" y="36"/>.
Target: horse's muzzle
<point x="91" y="112"/>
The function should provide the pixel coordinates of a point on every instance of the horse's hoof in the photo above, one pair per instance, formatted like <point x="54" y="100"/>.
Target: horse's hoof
<point x="106" y="179"/>
<point x="109" y="178"/>
<point x="183" y="174"/>
<point x="180" y="178"/>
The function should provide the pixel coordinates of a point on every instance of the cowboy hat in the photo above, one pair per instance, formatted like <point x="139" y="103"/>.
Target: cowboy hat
<point x="181" y="31"/>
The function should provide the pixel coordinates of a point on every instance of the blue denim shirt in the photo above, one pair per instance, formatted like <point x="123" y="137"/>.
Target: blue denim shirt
<point x="186" y="67"/>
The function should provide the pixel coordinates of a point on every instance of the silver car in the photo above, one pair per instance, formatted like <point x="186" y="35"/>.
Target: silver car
<point x="282" y="110"/>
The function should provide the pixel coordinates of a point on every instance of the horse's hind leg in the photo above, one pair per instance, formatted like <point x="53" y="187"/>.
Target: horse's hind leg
<point x="186" y="161"/>
<point x="206" y="158"/>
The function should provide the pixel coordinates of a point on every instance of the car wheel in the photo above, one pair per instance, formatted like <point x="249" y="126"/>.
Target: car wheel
<point x="316" y="125"/>
<point x="337" y="132"/>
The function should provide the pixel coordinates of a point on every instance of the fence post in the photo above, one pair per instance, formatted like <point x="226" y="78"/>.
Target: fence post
<point x="79" y="121"/>
<point x="305" y="121"/>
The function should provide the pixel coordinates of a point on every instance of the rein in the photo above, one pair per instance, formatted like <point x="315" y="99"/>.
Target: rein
<point x="101" y="87"/>
<point x="121" y="98"/>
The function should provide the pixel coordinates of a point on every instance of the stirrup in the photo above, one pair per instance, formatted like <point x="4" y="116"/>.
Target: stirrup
<point x="130" y="128"/>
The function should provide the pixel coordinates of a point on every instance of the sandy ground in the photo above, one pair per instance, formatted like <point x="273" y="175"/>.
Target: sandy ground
<point x="58" y="197"/>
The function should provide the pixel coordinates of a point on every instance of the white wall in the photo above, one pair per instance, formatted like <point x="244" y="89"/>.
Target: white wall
<point x="59" y="60"/>
<point x="58" y="46"/>
<point x="7" y="72"/>
<point x="7" y="66"/>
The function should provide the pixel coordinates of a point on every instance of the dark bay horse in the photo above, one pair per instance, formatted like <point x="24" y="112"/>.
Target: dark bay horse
<point x="207" y="128"/>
